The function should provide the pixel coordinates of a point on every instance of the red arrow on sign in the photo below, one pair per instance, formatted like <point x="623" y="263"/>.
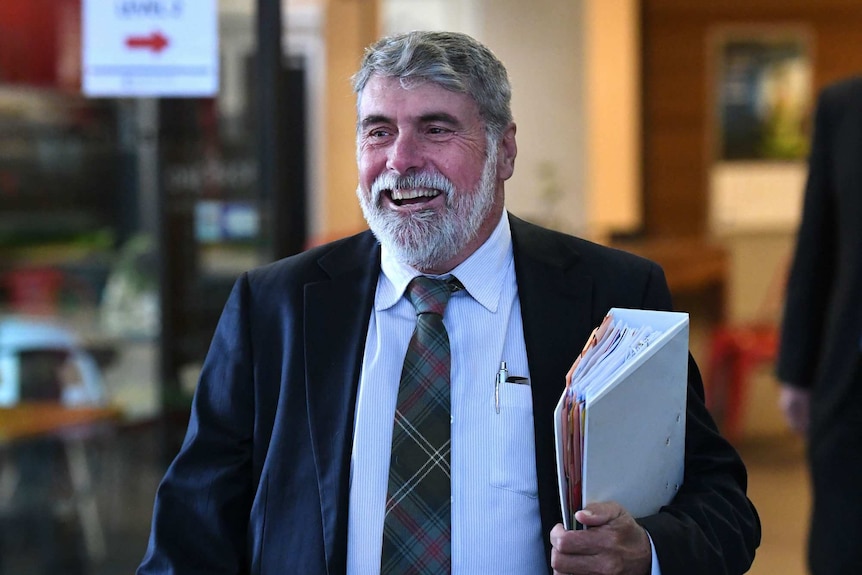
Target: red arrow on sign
<point x="155" y="42"/>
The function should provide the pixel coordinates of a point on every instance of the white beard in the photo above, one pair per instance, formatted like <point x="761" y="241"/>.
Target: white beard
<point x="425" y="238"/>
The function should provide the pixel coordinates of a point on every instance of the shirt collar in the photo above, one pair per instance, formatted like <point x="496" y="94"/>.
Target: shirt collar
<point x="481" y="274"/>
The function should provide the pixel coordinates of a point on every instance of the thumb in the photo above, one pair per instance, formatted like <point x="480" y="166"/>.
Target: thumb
<point x="596" y="514"/>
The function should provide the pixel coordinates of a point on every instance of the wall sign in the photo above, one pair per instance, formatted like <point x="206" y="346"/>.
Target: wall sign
<point x="150" y="48"/>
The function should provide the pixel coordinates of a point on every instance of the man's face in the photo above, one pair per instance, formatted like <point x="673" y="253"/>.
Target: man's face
<point x="429" y="187"/>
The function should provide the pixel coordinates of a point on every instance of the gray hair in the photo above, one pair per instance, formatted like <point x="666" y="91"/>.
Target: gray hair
<point x="451" y="60"/>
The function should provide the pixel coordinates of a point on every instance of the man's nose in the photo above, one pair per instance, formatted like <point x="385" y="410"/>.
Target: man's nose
<point x="405" y="154"/>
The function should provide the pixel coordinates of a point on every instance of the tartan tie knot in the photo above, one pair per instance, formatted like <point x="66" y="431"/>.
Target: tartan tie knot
<point x="429" y="295"/>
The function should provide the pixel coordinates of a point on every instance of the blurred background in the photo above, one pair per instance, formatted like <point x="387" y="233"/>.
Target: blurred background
<point x="677" y="129"/>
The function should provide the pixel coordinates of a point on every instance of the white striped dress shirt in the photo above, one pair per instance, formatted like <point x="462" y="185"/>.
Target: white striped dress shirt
<point x="493" y="455"/>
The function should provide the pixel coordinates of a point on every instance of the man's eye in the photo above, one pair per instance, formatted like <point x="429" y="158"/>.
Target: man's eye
<point x="434" y="130"/>
<point x="378" y="133"/>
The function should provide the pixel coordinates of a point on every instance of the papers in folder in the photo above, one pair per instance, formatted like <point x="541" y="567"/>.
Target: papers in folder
<point x="620" y="423"/>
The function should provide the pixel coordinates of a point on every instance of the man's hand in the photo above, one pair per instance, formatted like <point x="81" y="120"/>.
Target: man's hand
<point x="795" y="403"/>
<point x="613" y="544"/>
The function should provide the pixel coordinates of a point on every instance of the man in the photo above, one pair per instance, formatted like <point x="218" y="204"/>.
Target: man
<point x="291" y="463"/>
<point x="820" y="359"/>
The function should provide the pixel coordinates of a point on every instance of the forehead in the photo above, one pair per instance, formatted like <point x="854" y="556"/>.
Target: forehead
<point x="385" y="96"/>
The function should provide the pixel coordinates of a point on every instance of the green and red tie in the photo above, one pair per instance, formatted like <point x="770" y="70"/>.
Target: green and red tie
<point x="417" y="527"/>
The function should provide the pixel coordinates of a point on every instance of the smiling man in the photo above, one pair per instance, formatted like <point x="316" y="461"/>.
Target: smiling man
<point x="347" y="418"/>
<point x="430" y="174"/>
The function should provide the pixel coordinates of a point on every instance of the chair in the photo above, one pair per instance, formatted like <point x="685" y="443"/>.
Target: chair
<point x="735" y="351"/>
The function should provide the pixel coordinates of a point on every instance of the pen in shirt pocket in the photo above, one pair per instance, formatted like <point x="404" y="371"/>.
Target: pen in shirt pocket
<point x="502" y="374"/>
<point x="504" y="377"/>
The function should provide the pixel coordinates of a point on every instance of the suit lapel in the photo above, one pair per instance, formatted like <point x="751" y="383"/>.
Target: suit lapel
<point x="337" y="313"/>
<point x="556" y="309"/>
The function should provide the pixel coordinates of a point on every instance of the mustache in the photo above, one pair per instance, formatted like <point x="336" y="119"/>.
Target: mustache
<point x="429" y="180"/>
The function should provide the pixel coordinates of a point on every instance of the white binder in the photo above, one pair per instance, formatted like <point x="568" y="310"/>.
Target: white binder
<point x="634" y="422"/>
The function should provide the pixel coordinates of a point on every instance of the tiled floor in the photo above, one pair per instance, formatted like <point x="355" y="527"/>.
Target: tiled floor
<point x="778" y="482"/>
<point x="778" y="486"/>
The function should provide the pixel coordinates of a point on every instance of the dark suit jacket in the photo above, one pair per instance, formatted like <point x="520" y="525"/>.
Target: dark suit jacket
<point x="261" y="482"/>
<point x="822" y="324"/>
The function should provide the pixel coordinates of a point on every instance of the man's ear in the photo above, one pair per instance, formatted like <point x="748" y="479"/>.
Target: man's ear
<point x="506" y="153"/>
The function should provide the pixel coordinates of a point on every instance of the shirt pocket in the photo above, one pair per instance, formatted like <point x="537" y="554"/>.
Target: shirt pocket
<point x="512" y="445"/>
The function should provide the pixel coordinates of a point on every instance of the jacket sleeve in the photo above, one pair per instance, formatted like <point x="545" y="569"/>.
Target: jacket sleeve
<point x="201" y="511"/>
<point x="812" y="271"/>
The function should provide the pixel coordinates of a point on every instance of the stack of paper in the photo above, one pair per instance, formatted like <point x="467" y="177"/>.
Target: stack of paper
<point x="620" y="423"/>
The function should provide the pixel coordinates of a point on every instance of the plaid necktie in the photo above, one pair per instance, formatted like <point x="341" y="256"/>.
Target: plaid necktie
<point x="418" y="523"/>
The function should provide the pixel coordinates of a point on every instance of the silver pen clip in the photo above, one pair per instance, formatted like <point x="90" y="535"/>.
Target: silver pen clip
<point x="502" y="375"/>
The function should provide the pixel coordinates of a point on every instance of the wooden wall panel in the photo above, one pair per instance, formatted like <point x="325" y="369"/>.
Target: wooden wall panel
<point x="676" y="103"/>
